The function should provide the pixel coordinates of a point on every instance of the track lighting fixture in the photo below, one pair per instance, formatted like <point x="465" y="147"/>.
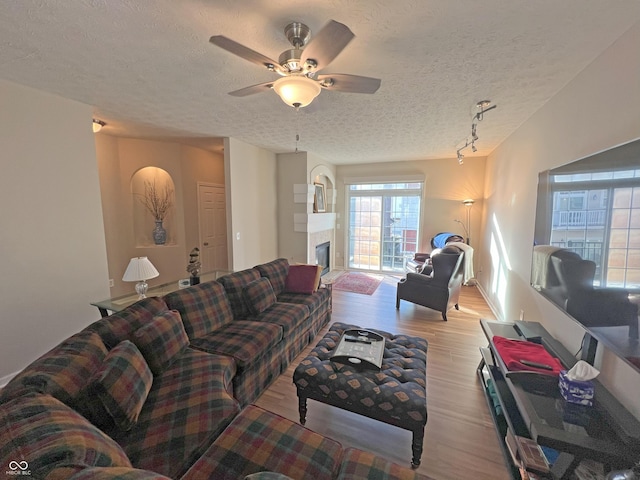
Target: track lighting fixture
<point x="483" y="107"/>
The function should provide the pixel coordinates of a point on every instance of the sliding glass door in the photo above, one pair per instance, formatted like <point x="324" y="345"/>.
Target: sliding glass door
<point x="383" y="225"/>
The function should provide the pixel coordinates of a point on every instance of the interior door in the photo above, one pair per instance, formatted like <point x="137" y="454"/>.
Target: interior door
<point x="212" y="214"/>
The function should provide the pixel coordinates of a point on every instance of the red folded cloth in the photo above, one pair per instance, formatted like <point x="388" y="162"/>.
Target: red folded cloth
<point x="513" y="352"/>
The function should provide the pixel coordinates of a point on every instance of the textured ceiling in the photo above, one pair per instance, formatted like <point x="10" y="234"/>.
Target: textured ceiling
<point x="149" y="71"/>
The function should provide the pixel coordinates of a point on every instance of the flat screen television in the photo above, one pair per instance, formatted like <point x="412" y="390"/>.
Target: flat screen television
<point x="586" y="254"/>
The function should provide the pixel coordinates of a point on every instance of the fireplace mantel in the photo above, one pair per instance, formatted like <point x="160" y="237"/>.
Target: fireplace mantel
<point x="313" y="222"/>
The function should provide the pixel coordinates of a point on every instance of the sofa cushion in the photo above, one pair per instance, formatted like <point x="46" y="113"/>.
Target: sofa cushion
<point x="204" y="308"/>
<point x="63" y="371"/>
<point x="47" y="434"/>
<point x="276" y="271"/>
<point x="289" y="316"/>
<point x="121" y="325"/>
<point x="121" y="386"/>
<point x="188" y="406"/>
<point x="243" y="340"/>
<point x="161" y="340"/>
<point x="258" y="440"/>
<point x="234" y="284"/>
<point x="258" y="295"/>
<point x="303" y="279"/>
<point x="321" y="298"/>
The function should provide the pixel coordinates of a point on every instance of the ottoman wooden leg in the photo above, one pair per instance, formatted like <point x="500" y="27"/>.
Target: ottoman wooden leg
<point x="416" y="446"/>
<point x="302" y="409"/>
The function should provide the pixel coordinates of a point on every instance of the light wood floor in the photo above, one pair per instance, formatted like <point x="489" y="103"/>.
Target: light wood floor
<point x="460" y="440"/>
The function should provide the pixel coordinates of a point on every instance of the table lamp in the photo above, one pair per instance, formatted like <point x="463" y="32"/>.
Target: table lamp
<point x="140" y="269"/>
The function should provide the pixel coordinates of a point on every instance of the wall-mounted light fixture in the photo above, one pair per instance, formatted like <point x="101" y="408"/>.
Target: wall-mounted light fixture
<point x="97" y="125"/>
<point x="478" y="117"/>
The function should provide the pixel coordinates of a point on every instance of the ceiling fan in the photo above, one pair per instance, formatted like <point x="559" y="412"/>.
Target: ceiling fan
<point x="300" y="82"/>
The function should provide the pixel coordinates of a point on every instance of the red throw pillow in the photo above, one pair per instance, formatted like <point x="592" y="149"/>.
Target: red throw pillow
<point x="303" y="279"/>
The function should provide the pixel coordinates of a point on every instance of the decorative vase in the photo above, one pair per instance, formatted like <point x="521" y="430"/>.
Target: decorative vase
<point x="159" y="233"/>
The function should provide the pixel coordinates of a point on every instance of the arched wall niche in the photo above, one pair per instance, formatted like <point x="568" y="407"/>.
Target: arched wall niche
<point x="142" y="181"/>
<point x="322" y="174"/>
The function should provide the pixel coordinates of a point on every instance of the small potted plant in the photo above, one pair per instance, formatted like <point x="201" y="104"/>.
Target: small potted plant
<point x="158" y="201"/>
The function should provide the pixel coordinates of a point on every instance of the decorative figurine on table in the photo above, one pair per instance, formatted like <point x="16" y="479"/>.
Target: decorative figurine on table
<point x="194" y="266"/>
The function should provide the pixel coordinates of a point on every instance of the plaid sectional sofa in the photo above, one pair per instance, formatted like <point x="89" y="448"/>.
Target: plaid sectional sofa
<point x="163" y="389"/>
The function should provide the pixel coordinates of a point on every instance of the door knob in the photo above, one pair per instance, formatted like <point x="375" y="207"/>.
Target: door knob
<point x="206" y="244"/>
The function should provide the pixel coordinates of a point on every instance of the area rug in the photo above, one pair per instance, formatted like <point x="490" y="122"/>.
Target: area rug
<point x="358" y="282"/>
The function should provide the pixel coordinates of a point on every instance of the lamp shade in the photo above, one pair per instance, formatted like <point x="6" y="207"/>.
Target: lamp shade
<point x="468" y="202"/>
<point x="139" y="269"/>
<point x="297" y="90"/>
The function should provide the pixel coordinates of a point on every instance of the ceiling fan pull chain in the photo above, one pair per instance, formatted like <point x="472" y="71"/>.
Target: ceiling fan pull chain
<point x="297" y="118"/>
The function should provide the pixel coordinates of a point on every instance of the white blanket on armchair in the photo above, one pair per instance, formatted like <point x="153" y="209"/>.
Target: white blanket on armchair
<point x="467" y="262"/>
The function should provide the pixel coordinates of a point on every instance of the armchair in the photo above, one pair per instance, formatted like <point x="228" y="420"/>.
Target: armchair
<point x="440" y="289"/>
<point x="593" y="307"/>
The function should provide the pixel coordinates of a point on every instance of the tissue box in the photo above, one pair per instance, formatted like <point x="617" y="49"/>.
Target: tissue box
<point x="576" y="391"/>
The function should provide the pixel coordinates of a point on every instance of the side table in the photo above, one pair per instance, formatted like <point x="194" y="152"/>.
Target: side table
<point x="116" y="304"/>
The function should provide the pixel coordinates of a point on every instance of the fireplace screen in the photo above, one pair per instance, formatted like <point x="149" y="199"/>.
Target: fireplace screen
<point x="322" y="256"/>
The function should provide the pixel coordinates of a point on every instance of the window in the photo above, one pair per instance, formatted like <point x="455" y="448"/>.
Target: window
<point x="597" y="215"/>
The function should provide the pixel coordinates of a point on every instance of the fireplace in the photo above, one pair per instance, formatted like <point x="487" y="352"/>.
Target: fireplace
<point x="323" y="256"/>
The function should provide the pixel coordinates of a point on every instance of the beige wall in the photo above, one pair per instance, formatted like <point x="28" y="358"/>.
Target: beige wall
<point x="599" y="109"/>
<point x="252" y="204"/>
<point x="52" y="242"/>
<point x="197" y="166"/>
<point x="292" y="169"/>
<point x="446" y="185"/>
<point x="119" y="159"/>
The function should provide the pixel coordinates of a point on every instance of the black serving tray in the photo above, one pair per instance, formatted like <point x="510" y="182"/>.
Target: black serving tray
<point x="361" y="349"/>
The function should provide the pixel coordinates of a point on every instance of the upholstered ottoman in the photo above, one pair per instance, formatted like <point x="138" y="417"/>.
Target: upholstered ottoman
<point x="395" y="395"/>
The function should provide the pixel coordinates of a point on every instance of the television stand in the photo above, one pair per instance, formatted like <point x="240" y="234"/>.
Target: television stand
<point x="528" y="405"/>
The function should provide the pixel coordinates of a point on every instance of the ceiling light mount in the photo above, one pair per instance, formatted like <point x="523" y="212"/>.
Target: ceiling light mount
<point x="482" y="105"/>
<point x="298" y="34"/>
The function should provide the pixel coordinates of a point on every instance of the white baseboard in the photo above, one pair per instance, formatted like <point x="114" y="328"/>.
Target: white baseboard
<point x="7" y="378"/>
<point x="492" y="307"/>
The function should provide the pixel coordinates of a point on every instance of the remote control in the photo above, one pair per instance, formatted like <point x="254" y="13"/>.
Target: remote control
<point x="356" y="340"/>
<point x="529" y="363"/>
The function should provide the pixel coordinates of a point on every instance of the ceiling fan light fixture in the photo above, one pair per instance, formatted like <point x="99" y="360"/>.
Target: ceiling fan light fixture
<point x="297" y="90"/>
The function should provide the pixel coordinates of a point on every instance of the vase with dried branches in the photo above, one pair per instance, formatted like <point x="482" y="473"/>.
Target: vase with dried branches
<point x="158" y="200"/>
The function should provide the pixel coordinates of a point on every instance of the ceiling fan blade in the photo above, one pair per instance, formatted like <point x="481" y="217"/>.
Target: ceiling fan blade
<point x="243" y="92"/>
<point x="327" y="44"/>
<point x="342" y="82"/>
<point x="244" y="52"/>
